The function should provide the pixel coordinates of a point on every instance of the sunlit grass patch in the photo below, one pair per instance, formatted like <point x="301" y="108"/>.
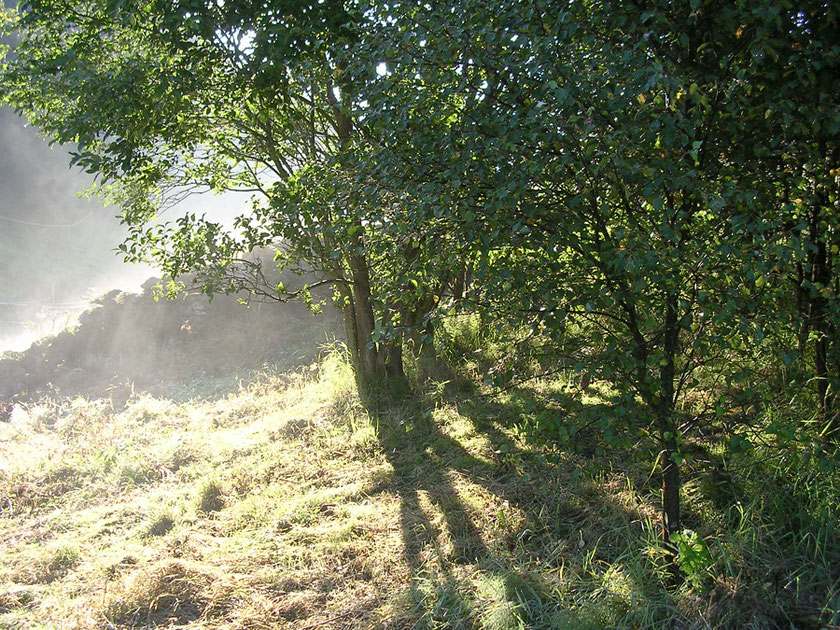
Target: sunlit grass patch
<point x="62" y="559"/>
<point x="169" y="592"/>
<point x="152" y="409"/>
<point x="48" y="564"/>
<point x="293" y="474"/>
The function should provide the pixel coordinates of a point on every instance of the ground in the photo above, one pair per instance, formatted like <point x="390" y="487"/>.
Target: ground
<point x="272" y="498"/>
<point x="286" y="504"/>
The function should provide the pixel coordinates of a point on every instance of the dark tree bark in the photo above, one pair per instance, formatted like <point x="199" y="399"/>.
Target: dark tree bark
<point x="671" y="521"/>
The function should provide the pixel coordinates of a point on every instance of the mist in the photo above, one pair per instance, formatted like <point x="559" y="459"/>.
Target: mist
<point x="57" y="249"/>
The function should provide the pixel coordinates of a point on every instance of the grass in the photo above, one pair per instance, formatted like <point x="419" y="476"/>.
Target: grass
<point x="287" y="505"/>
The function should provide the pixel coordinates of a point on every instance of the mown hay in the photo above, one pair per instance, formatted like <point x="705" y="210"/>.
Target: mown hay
<point x="169" y="592"/>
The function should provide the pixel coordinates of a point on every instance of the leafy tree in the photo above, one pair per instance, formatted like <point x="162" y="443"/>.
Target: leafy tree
<point x="605" y="165"/>
<point x="165" y="99"/>
<point x="797" y="77"/>
<point x="636" y="183"/>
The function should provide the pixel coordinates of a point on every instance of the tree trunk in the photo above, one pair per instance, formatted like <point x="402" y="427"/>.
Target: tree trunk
<point x="422" y="335"/>
<point x="391" y="371"/>
<point x="670" y="488"/>
<point x="803" y="311"/>
<point x="822" y="279"/>
<point x="671" y="522"/>
<point x="661" y="402"/>
<point x="823" y="328"/>
<point x="428" y="356"/>
<point x="351" y="334"/>
<point x="365" y="325"/>
<point x="378" y="366"/>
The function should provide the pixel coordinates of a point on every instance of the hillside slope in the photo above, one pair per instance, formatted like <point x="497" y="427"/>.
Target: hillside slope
<point x="285" y="505"/>
<point x="218" y="493"/>
<point x="138" y="343"/>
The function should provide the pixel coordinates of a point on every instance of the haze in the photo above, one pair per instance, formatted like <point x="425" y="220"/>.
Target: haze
<point x="57" y="250"/>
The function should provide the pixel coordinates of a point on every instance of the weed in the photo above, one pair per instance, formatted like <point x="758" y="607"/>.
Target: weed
<point x="51" y="564"/>
<point x="137" y="472"/>
<point x="210" y="496"/>
<point x="693" y="556"/>
<point x="63" y="559"/>
<point x="160" y="524"/>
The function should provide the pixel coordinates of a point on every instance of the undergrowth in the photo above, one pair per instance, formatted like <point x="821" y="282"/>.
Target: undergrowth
<point x="288" y="505"/>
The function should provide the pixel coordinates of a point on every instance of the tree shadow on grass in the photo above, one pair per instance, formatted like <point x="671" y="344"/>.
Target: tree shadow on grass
<point x="423" y="480"/>
<point x="441" y="531"/>
<point x="438" y="524"/>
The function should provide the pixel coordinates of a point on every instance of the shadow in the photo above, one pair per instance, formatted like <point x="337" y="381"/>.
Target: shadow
<point x="425" y="460"/>
<point x="427" y="463"/>
<point x="566" y="518"/>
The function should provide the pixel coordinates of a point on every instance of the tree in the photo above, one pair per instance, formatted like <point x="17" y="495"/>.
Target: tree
<point x="165" y="99"/>
<point x="599" y="162"/>
<point x="798" y="80"/>
<point x="629" y="181"/>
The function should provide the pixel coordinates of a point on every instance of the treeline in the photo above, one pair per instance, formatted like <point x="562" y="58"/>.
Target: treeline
<point x="127" y="341"/>
<point x="642" y="192"/>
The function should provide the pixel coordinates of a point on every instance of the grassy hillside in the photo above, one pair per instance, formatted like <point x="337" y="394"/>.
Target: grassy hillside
<point x="271" y="498"/>
<point x="183" y="347"/>
<point x="286" y="505"/>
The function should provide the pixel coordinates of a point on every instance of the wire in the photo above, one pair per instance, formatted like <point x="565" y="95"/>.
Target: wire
<point x="48" y="225"/>
<point x="65" y="305"/>
<point x="56" y="305"/>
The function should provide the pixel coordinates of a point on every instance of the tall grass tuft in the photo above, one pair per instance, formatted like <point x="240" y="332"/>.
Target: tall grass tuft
<point x="211" y="496"/>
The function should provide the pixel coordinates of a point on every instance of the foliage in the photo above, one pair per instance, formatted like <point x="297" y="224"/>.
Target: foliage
<point x="163" y="100"/>
<point x="693" y="556"/>
<point x="604" y="169"/>
<point x="642" y="195"/>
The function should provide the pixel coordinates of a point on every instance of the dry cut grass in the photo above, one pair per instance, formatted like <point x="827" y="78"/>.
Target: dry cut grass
<point x="288" y="505"/>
